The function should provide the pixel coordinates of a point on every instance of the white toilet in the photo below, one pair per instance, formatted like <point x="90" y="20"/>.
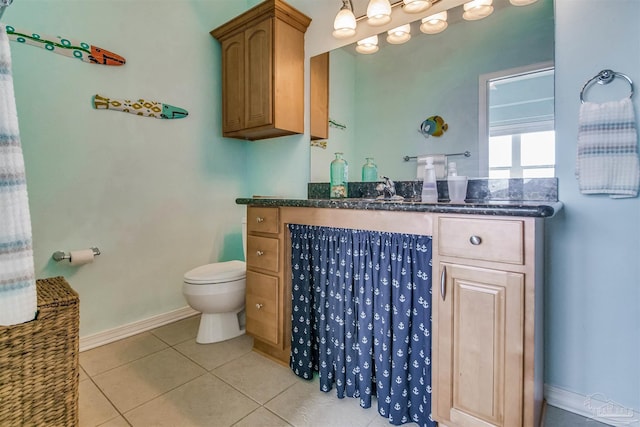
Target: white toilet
<point x="217" y="291"/>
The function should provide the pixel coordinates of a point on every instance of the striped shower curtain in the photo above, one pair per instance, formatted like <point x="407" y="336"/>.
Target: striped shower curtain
<point x="18" y="298"/>
<point x="361" y="317"/>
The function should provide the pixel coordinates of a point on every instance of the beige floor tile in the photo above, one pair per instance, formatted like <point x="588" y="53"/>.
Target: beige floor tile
<point x="256" y="376"/>
<point x="101" y="359"/>
<point x="83" y="375"/>
<point x="119" y="421"/>
<point x="179" y="331"/>
<point x="305" y="405"/>
<point x="205" y="401"/>
<point x="263" y="418"/>
<point x="210" y="356"/>
<point x="137" y="382"/>
<point x="93" y="408"/>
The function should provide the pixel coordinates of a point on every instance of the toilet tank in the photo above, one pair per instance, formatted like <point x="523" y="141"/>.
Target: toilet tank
<point x="244" y="237"/>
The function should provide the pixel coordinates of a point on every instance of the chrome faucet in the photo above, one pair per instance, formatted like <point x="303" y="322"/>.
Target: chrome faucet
<point x="387" y="189"/>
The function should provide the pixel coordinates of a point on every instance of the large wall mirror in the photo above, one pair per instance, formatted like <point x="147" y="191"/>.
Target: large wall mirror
<point x="377" y="102"/>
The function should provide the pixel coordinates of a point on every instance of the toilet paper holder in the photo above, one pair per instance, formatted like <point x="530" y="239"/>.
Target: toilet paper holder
<point x="61" y="255"/>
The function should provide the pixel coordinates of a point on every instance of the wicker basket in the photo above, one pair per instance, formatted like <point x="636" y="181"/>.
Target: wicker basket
<point x="39" y="361"/>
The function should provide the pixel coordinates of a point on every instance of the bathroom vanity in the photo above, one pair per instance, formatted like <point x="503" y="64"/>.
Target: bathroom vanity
<point x="487" y="282"/>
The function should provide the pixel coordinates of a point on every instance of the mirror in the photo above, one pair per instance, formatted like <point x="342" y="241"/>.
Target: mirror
<point x="377" y="102"/>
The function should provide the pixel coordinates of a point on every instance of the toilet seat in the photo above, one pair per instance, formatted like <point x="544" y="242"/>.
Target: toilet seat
<point x="217" y="272"/>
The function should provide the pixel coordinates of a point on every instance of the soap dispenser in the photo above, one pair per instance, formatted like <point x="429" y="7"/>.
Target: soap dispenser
<point x="429" y="185"/>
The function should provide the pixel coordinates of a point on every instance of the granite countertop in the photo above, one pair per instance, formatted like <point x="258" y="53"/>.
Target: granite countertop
<point x="542" y="209"/>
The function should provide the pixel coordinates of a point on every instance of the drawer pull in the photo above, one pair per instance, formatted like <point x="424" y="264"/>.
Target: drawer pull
<point x="259" y="219"/>
<point x="475" y="240"/>
<point x="443" y="281"/>
<point x="259" y="306"/>
<point x="259" y="253"/>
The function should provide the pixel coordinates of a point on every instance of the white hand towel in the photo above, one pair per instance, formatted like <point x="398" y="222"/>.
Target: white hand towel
<point x="607" y="158"/>
<point x="18" y="296"/>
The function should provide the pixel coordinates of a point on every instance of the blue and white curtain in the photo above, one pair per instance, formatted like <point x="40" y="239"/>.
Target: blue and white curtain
<point x="361" y="317"/>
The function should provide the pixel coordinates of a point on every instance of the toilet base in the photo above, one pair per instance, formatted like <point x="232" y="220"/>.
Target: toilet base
<point x="218" y="327"/>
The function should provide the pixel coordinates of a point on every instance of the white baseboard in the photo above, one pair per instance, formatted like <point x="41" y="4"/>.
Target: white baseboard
<point x="106" y="337"/>
<point x="595" y="406"/>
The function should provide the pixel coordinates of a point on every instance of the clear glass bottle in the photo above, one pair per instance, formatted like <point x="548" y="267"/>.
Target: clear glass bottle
<point x="339" y="176"/>
<point x="369" y="171"/>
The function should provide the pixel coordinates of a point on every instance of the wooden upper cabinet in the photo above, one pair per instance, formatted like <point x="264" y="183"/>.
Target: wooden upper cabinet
<point x="263" y="72"/>
<point x="320" y="96"/>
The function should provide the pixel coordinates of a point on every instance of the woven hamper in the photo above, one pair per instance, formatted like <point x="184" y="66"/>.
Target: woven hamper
<point x="39" y="361"/>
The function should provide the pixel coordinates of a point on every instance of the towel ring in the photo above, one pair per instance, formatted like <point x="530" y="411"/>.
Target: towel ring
<point x="605" y="77"/>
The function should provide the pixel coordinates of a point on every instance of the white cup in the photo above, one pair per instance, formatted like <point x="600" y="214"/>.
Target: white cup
<point x="457" y="188"/>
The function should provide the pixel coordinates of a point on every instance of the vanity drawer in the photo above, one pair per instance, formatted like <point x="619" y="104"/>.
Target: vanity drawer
<point x="263" y="252"/>
<point x="488" y="240"/>
<point x="262" y="220"/>
<point x="262" y="306"/>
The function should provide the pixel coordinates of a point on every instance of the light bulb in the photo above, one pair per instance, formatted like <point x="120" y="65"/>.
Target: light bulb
<point x="434" y="24"/>
<point x="368" y="45"/>
<point x="399" y="34"/>
<point x="477" y="9"/>
<point x="378" y="12"/>
<point x="416" y="6"/>
<point x="345" y="24"/>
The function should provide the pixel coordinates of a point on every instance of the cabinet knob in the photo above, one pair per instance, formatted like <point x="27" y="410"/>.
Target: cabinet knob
<point x="475" y="240"/>
<point x="259" y="306"/>
<point x="259" y="253"/>
<point x="259" y="219"/>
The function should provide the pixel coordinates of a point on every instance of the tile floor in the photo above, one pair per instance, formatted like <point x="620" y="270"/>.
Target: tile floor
<point x="163" y="378"/>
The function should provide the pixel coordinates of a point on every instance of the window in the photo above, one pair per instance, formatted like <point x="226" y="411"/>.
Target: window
<point x="517" y="137"/>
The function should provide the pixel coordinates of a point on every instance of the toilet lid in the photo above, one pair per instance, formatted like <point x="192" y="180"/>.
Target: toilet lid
<point x="218" y="272"/>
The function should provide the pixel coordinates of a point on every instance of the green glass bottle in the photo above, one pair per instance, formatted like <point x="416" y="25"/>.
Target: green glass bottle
<point x="339" y="176"/>
<point x="369" y="171"/>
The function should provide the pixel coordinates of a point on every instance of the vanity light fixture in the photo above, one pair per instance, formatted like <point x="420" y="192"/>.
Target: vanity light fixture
<point x="522" y="2"/>
<point x="399" y="35"/>
<point x="477" y="9"/>
<point x="344" y="26"/>
<point x="434" y="24"/>
<point x="417" y="6"/>
<point x="378" y="12"/>
<point x="368" y="45"/>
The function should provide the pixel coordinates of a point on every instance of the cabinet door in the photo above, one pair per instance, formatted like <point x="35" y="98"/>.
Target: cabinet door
<point x="319" y="94"/>
<point x="262" y="307"/>
<point x="480" y="340"/>
<point x="233" y="87"/>
<point x="259" y="74"/>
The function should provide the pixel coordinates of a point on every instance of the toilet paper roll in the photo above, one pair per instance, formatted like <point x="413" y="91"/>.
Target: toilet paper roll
<point x="81" y="257"/>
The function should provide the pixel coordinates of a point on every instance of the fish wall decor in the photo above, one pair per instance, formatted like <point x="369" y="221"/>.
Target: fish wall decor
<point x="65" y="46"/>
<point x="139" y="107"/>
<point x="433" y="126"/>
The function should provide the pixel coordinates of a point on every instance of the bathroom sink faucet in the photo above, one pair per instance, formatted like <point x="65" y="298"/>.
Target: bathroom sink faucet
<point x="387" y="189"/>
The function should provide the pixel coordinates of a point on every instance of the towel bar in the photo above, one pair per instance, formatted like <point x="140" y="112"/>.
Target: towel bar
<point x="466" y="154"/>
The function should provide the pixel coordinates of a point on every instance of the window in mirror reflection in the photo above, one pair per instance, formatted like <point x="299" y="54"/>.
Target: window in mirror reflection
<point x="522" y="155"/>
<point x="520" y="122"/>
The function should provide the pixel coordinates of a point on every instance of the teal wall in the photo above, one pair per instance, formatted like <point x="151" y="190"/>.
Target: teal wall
<point x="593" y="288"/>
<point x="156" y="196"/>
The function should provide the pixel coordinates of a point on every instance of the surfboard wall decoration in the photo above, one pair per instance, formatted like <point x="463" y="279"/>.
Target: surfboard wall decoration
<point x="139" y="107"/>
<point x="71" y="48"/>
